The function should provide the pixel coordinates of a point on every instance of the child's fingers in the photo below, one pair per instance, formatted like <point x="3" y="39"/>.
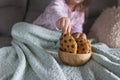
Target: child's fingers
<point x="58" y="25"/>
<point x="65" y="29"/>
<point x="83" y="35"/>
<point x="62" y="22"/>
<point x="67" y="23"/>
<point x="62" y="25"/>
<point x="77" y="36"/>
<point x="69" y="29"/>
<point x="67" y="26"/>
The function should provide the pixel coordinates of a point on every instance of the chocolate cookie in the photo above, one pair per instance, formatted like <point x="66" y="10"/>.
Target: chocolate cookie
<point x="68" y="43"/>
<point x="83" y="46"/>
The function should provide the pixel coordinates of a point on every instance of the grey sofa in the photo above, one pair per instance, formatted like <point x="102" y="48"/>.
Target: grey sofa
<point x="13" y="11"/>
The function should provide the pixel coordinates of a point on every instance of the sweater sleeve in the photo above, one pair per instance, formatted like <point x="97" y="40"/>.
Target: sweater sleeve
<point x="54" y="11"/>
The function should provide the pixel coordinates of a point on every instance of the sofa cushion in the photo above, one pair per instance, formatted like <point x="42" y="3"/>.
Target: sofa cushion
<point x="11" y="11"/>
<point x="106" y="28"/>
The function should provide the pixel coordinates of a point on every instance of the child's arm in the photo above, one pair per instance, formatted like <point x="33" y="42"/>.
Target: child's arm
<point x="54" y="11"/>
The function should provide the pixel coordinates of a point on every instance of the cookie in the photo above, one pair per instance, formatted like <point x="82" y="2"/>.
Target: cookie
<point x="68" y="43"/>
<point x="83" y="46"/>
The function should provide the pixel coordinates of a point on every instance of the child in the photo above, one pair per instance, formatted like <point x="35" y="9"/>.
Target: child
<point x="65" y="16"/>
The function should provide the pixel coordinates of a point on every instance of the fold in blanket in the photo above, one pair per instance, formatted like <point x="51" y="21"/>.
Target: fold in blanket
<point x="33" y="56"/>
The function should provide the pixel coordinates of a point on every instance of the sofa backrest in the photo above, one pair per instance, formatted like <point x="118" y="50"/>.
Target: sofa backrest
<point x="37" y="6"/>
<point x="11" y="11"/>
<point x="97" y="6"/>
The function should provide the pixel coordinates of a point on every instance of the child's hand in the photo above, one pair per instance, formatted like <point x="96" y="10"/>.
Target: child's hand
<point x="78" y="35"/>
<point x="64" y="24"/>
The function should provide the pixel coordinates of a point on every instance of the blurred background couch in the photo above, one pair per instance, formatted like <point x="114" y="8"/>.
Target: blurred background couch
<point x="13" y="11"/>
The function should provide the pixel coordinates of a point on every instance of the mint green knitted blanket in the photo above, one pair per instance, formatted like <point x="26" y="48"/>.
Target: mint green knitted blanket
<point x="34" y="56"/>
